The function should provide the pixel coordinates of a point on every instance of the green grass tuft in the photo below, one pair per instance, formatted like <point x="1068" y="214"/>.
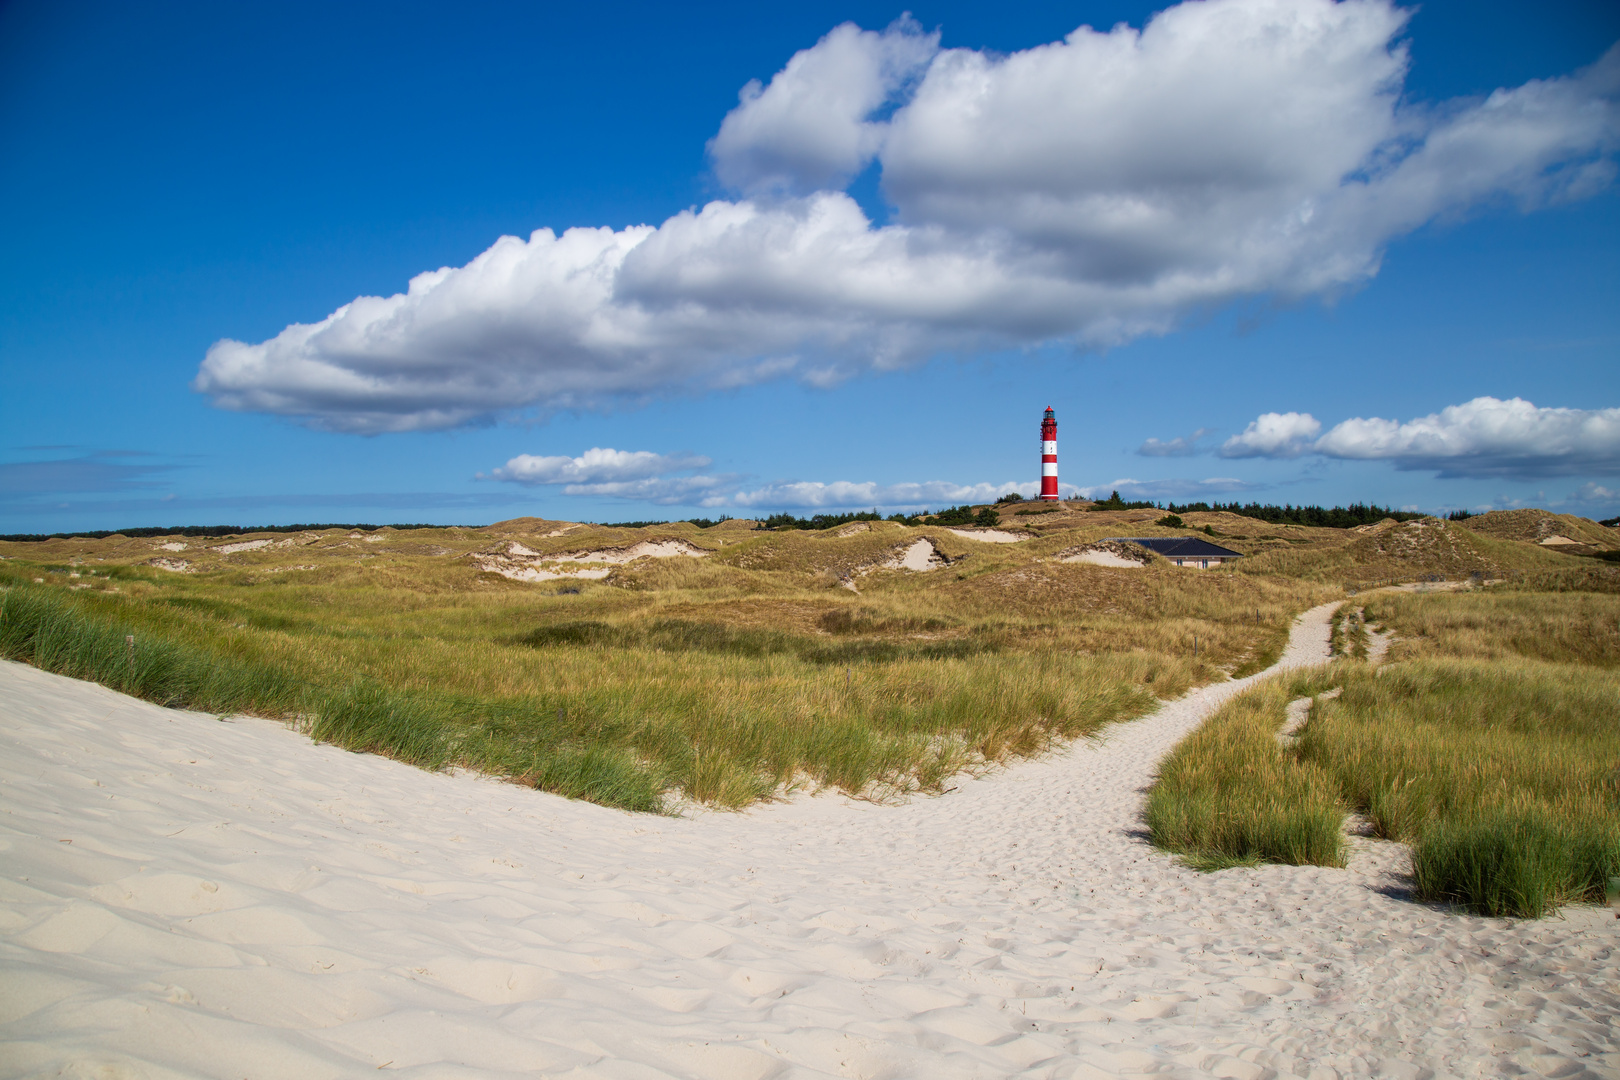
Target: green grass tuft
<point x="1230" y="795"/>
<point x="1516" y="862"/>
<point x="1490" y="749"/>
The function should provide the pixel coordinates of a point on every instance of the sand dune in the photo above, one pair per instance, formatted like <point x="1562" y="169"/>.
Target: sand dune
<point x="191" y="897"/>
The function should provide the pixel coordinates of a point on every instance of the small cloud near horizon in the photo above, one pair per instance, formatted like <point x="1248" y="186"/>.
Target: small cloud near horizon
<point x="1184" y="446"/>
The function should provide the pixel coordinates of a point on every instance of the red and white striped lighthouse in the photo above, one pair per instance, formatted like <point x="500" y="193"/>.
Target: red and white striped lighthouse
<point x="1049" y="456"/>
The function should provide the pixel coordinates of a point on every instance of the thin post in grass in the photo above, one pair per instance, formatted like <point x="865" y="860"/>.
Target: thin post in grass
<point x="129" y="646"/>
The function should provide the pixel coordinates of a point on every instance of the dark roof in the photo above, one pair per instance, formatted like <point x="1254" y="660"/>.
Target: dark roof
<point x="1179" y="547"/>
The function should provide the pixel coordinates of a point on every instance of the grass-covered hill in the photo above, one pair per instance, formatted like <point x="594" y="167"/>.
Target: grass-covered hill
<point x="718" y="663"/>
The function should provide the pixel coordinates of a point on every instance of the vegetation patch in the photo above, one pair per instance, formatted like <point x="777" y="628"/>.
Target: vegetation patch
<point x="1501" y="775"/>
<point x="1490" y="749"/>
<point x="1230" y="795"/>
<point x="677" y="636"/>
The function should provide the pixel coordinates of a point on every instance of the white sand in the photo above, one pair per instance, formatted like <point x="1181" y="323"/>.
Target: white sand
<point x="525" y="564"/>
<point x="1113" y="553"/>
<point x="186" y="897"/>
<point x="647" y="549"/>
<point x="1103" y="558"/>
<point x="991" y="536"/>
<point x="244" y="545"/>
<point x="921" y="555"/>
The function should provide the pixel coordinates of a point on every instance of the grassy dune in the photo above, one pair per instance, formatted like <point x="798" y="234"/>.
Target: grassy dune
<point x="1490" y="744"/>
<point x="796" y="659"/>
<point x="721" y="679"/>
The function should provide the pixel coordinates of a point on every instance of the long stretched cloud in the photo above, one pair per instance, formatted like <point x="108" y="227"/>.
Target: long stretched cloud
<point x="1485" y="437"/>
<point x="644" y="476"/>
<point x="597" y="465"/>
<point x="1087" y="191"/>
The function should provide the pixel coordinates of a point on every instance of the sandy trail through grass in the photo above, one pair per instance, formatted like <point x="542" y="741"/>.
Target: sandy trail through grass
<point x="235" y="900"/>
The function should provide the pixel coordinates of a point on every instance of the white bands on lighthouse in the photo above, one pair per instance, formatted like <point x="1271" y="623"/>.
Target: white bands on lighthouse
<point x="1049" y="489"/>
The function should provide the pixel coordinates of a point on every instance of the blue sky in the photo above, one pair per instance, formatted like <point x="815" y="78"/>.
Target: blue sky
<point x="1356" y="272"/>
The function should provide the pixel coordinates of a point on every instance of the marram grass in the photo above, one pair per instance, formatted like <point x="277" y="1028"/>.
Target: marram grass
<point x="1502" y="773"/>
<point x="722" y="716"/>
<point x="1230" y="795"/>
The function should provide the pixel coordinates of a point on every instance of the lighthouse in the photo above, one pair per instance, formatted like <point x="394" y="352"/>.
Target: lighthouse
<point x="1049" y="456"/>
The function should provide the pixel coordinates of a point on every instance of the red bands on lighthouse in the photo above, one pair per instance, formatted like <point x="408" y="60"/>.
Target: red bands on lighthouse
<point x="1049" y="456"/>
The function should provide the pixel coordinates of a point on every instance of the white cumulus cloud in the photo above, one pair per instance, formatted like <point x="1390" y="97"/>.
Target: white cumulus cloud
<point x="638" y="475"/>
<point x="1274" y="435"/>
<point x="1485" y="437"/>
<point x="812" y="127"/>
<point x="1087" y="191"/>
<point x="596" y="465"/>
<point x="644" y="476"/>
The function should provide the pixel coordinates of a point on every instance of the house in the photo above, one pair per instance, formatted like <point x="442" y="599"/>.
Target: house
<point x="1183" y="550"/>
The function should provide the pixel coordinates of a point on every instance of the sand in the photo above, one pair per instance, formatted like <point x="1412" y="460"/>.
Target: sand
<point x="1116" y="553"/>
<point x="919" y="556"/>
<point x="1103" y="558"/>
<point x="991" y="536"/>
<point x="521" y="563"/>
<point x="191" y="897"/>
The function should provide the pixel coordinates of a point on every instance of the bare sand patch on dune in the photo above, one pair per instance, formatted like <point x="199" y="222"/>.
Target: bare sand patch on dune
<point x="919" y="556"/>
<point x="190" y="897"/>
<point x="647" y="549"/>
<point x="521" y="563"/>
<point x="241" y="545"/>
<point x="991" y="536"/>
<point x="1107" y="553"/>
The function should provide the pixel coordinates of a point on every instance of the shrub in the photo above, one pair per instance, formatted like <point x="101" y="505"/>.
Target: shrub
<point x="1171" y="521"/>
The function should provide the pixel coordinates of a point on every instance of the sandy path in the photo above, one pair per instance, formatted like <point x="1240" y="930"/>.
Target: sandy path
<point x="190" y="897"/>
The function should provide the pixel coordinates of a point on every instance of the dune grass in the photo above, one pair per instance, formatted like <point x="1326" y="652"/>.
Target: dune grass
<point x="1503" y="622"/>
<point x="1492" y="749"/>
<point x="43" y="628"/>
<point x="1501" y="774"/>
<point x="722" y="679"/>
<point x="1230" y="795"/>
<point x="627" y="708"/>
